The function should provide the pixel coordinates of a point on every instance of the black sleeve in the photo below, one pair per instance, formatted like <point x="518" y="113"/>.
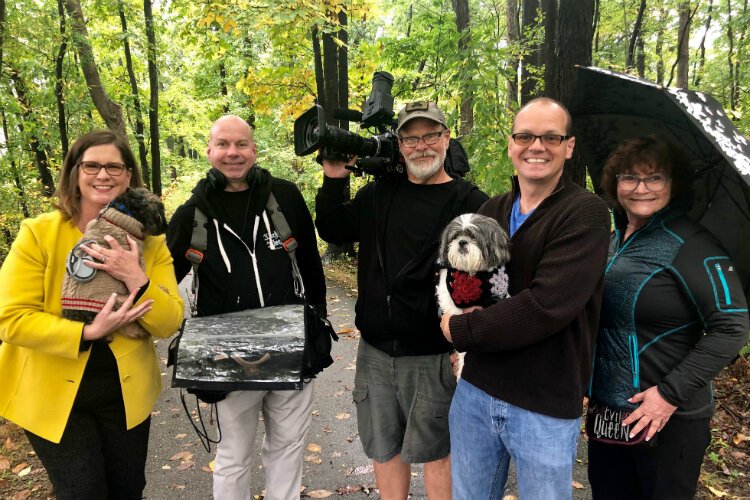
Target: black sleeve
<point x="308" y="257"/>
<point x="179" y="234"/>
<point x="477" y="198"/>
<point x="712" y="283"/>
<point x="337" y="219"/>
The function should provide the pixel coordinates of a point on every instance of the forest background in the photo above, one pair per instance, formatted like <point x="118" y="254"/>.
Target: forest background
<point x="162" y="71"/>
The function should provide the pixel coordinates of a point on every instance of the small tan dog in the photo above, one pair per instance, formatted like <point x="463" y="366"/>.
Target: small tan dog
<point x="137" y="212"/>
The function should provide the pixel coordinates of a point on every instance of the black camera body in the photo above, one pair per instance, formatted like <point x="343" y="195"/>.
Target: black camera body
<point x="378" y="155"/>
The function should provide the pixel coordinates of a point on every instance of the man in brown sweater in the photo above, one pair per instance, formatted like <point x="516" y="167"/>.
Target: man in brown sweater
<point x="528" y="358"/>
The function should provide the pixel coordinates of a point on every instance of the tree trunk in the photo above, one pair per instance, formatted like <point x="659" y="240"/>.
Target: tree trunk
<point x="640" y="61"/>
<point x="597" y="15"/>
<point x="139" y="127"/>
<point x="659" y="45"/>
<point x="698" y="71"/>
<point x="531" y="61"/>
<point x="62" y="123"/>
<point x="343" y="66"/>
<point x="223" y="82"/>
<point x="41" y="158"/>
<point x="514" y="38"/>
<point x="153" y="107"/>
<point x="461" y="9"/>
<point x="548" y="49"/>
<point x="2" y="31"/>
<point x="736" y="87"/>
<point x="331" y="76"/>
<point x="14" y="168"/>
<point x="683" y="46"/>
<point x="110" y="111"/>
<point x="635" y="36"/>
<point x="318" y="63"/>
<point x="575" y="33"/>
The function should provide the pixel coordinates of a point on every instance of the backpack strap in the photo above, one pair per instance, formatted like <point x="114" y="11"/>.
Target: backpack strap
<point x="195" y="254"/>
<point x="287" y="241"/>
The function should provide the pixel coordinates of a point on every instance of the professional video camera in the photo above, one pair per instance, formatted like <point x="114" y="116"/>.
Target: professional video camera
<point x="377" y="155"/>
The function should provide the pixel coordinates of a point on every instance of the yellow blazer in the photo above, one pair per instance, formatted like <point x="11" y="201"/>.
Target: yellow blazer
<point x="40" y="363"/>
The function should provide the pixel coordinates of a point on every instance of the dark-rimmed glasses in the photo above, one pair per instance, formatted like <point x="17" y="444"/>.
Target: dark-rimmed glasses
<point x="93" y="168"/>
<point x="525" y="139"/>
<point x="629" y="182"/>
<point x="428" y="139"/>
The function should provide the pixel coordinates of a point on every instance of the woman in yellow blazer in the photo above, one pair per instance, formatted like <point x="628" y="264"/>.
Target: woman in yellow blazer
<point x="85" y="403"/>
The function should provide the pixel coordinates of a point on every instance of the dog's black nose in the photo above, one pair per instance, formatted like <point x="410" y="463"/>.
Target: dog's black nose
<point x="462" y="243"/>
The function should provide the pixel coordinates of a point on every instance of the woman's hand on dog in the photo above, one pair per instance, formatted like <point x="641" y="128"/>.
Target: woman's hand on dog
<point x="123" y="264"/>
<point x="109" y="320"/>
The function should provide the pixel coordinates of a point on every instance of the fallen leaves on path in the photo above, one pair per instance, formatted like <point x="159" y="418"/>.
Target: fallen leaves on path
<point x="320" y="494"/>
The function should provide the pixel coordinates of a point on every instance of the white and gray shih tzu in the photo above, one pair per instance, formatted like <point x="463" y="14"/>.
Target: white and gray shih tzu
<point x="473" y="252"/>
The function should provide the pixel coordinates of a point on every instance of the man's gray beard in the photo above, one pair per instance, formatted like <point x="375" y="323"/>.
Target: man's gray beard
<point x="427" y="171"/>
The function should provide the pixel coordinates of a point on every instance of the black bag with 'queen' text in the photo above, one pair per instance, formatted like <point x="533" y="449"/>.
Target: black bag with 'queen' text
<point x="604" y="425"/>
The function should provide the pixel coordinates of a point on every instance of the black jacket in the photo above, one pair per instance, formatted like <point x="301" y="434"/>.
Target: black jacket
<point x="228" y="280"/>
<point x="399" y="315"/>
<point x="673" y="315"/>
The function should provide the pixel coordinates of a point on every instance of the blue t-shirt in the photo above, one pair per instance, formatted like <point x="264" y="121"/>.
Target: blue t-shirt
<point x="516" y="217"/>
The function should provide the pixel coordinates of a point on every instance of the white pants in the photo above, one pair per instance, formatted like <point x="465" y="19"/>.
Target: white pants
<point x="286" y="416"/>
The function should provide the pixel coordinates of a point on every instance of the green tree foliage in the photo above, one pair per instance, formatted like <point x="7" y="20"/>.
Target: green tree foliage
<point x="254" y="58"/>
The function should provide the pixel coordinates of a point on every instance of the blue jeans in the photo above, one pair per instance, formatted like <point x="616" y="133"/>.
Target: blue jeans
<point x="487" y="432"/>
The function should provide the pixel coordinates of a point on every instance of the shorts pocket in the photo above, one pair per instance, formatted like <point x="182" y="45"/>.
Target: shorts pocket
<point x="426" y="408"/>
<point x="359" y="394"/>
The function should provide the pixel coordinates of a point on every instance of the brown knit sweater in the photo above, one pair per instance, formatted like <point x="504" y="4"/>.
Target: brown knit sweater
<point x="534" y="349"/>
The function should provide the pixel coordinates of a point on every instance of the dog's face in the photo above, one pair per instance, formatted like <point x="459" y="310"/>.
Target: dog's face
<point x="473" y="242"/>
<point x="145" y="207"/>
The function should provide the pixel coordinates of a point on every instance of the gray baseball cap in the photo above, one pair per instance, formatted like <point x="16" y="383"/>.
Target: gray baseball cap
<point x="420" y="109"/>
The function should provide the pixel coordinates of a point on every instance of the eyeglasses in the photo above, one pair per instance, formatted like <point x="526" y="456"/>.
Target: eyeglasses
<point x="629" y="182"/>
<point x="93" y="168"/>
<point x="524" y="139"/>
<point x="429" y="139"/>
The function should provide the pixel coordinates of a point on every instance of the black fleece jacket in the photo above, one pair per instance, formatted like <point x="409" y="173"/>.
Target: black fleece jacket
<point x="534" y="349"/>
<point x="396" y="309"/>
<point x="228" y="281"/>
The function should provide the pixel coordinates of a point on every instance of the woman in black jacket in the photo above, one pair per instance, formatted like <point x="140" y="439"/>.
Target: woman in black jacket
<point x="673" y="315"/>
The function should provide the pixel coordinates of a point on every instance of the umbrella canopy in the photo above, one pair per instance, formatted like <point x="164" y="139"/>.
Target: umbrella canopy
<point x="609" y="107"/>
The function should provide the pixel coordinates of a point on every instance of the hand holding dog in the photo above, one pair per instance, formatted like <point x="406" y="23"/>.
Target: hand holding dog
<point x="108" y="320"/>
<point x="445" y="321"/>
<point x="123" y="264"/>
<point x="445" y="325"/>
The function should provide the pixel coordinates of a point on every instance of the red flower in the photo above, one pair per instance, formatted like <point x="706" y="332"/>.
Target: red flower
<point x="466" y="288"/>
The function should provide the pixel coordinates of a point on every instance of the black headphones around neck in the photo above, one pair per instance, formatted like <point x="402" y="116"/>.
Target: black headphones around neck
<point x="217" y="181"/>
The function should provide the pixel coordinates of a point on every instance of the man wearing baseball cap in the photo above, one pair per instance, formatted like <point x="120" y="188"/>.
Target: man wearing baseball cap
<point x="404" y="381"/>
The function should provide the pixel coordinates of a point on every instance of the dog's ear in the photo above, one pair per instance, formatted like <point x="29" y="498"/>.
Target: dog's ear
<point x="499" y="245"/>
<point x="444" y="242"/>
<point x="157" y="222"/>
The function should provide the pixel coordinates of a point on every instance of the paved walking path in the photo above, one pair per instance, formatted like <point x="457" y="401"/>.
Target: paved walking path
<point x="179" y="468"/>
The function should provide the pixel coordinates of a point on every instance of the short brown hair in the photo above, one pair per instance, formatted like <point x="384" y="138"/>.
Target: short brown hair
<point x="651" y="151"/>
<point x="68" y="196"/>
<point x="547" y="100"/>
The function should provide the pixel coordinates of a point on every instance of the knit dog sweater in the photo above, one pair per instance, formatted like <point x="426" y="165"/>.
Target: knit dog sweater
<point x="82" y="300"/>
<point x="482" y="288"/>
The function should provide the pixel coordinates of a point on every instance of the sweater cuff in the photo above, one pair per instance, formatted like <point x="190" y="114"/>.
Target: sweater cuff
<point x="333" y="184"/>
<point x="141" y="291"/>
<point x="84" y="345"/>
<point x="460" y="332"/>
<point x="661" y="388"/>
